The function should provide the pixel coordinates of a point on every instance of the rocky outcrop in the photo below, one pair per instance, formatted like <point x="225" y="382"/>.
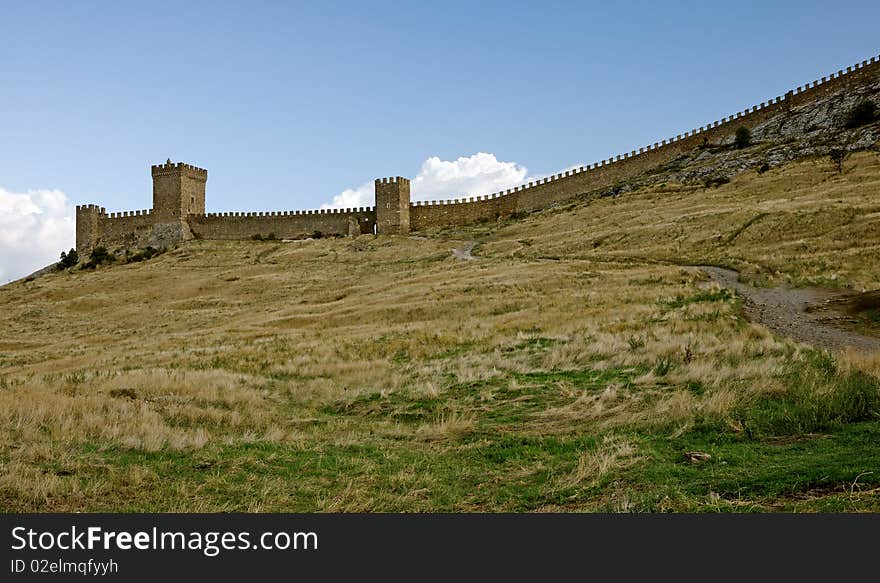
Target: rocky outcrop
<point x="813" y="129"/>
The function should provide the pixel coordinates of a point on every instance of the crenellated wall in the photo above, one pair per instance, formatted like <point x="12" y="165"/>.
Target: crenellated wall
<point x="572" y="183"/>
<point x="179" y="190"/>
<point x="423" y="215"/>
<point x="283" y="225"/>
<point x="127" y="229"/>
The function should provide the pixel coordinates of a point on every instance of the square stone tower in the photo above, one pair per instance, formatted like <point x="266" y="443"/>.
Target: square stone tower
<point x="87" y="230"/>
<point x="392" y="206"/>
<point x="178" y="190"/>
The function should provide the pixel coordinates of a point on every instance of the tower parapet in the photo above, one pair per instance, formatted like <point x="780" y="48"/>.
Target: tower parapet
<point x="392" y="206"/>
<point x="178" y="190"/>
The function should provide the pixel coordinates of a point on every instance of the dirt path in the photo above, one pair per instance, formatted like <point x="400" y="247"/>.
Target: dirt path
<point x="464" y="252"/>
<point x="809" y="315"/>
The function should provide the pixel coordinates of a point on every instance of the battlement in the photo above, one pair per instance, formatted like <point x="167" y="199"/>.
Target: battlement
<point x="126" y="214"/>
<point x="178" y="211"/>
<point x="171" y="168"/>
<point x="393" y="180"/>
<point x="347" y="211"/>
<point x="282" y="224"/>
<point x="690" y="138"/>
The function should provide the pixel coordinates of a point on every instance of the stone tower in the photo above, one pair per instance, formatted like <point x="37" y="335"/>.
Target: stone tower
<point x="392" y="206"/>
<point x="87" y="227"/>
<point x="178" y="191"/>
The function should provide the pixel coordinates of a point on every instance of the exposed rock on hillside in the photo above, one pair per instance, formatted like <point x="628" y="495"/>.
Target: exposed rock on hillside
<point x="813" y="129"/>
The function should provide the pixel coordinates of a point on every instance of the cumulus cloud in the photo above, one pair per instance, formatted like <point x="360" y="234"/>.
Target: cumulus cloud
<point x="474" y="175"/>
<point x="439" y="179"/>
<point x="352" y="198"/>
<point x="34" y="228"/>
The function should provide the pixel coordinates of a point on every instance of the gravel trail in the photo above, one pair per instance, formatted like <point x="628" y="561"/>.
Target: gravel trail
<point x="814" y="316"/>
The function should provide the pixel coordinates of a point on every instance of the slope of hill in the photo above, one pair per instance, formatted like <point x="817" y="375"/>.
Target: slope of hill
<point x="576" y="363"/>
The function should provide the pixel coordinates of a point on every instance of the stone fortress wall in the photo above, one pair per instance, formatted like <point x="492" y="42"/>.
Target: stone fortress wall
<point x="573" y="183"/>
<point x="178" y="212"/>
<point x="283" y="225"/>
<point x="178" y="215"/>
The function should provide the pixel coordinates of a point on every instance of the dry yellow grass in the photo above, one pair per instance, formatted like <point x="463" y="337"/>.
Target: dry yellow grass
<point x="225" y="344"/>
<point x="613" y="453"/>
<point x="802" y="223"/>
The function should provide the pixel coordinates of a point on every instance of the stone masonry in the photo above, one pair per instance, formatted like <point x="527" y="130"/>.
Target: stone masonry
<point x="178" y="212"/>
<point x="392" y="205"/>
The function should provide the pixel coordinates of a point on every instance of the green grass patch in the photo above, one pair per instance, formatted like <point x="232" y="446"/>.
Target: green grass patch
<point x="720" y="295"/>
<point x="745" y="474"/>
<point x="819" y="397"/>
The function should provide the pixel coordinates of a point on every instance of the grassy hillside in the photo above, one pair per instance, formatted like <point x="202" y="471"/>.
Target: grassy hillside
<point x="575" y="364"/>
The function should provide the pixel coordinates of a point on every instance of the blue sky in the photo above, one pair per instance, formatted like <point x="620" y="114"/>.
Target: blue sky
<point x="288" y="105"/>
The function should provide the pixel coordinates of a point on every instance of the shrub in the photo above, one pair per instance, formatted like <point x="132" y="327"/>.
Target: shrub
<point x="69" y="259"/>
<point x="98" y="256"/>
<point x="862" y="114"/>
<point x="663" y="366"/>
<point x="743" y="137"/>
<point x="271" y="237"/>
<point x="837" y="156"/>
<point x="317" y="234"/>
<point x="763" y="168"/>
<point x="144" y="254"/>
<point x="715" y="181"/>
<point x="636" y="342"/>
<point x="257" y="237"/>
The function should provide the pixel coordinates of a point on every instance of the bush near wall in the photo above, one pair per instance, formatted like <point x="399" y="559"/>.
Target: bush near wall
<point x="99" y="256"/>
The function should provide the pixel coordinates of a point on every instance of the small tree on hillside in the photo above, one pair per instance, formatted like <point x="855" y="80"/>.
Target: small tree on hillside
<point x="837" y="156"/>
<point x="743" y="138"/>
<point x="69" y="259"/>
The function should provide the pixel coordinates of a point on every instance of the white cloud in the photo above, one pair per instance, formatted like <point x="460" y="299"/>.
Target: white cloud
<point x="34" y="228"/>
<point x="474" y="175"/>
<point x="439" y="179"/>
<point x="353" y="197"/>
